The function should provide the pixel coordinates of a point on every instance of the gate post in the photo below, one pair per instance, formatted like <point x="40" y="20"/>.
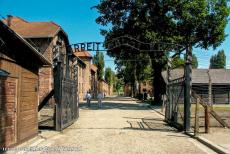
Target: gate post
<point x="57" y="95"/>
<point x="187" y="90"/>
<point x="168" y="108"/>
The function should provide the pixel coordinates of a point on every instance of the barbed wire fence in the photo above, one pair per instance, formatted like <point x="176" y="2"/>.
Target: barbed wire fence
<point x="210" y="97"/>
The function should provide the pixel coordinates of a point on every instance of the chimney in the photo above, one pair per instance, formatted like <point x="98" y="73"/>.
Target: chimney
<point x="9" y="18"/>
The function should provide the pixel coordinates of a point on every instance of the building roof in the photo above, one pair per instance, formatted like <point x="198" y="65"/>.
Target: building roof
<point x="34" y="29"/>
<point x="200" y="76"/>
<point x="93" y="67"/>
<point x="12" y="41"/>
<point x="81" y="62"/>
<point x="83" y="54"/>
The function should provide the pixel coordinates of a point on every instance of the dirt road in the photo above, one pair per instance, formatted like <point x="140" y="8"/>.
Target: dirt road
<point x="121" y="126"/>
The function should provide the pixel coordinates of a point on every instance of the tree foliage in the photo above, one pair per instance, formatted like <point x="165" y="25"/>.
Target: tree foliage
<point x="98" y="60"/>
<point x="109" y="76"/>
<point x="194" y="61"/>
<point x="218" y="60"/>
<point x="118" y="84"/>
<point x="179" y="62"/>
<point x="190" y="23"/>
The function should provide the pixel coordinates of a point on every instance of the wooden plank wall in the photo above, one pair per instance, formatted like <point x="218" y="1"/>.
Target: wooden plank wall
<point x="28" y="111"/>
<point x="27" y="99"/>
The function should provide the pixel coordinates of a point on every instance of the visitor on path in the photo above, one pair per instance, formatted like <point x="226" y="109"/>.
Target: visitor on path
<point x="99" y="98"/>
<point x="88" y="98"/>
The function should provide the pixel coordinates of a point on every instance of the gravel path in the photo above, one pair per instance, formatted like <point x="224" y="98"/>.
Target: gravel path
<point x="120" y="127"/>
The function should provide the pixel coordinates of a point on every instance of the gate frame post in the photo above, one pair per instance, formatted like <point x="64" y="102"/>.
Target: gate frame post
<point x="168" y="103"/>
<point x="187" y="90"/>
<point x="196" y="129"/>
<point x="57" y="96"/>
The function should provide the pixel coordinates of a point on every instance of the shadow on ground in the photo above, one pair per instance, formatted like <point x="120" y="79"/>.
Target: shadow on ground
<point x="149" y="124"/>
<point x="115" y="105"/>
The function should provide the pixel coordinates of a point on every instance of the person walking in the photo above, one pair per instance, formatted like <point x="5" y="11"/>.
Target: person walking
<point x="88" y="98"/>
<point x="99" y="98"/>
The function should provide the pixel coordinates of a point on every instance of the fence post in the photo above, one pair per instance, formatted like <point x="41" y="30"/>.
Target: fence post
<point x="187" y="90"/>
<point x="207" y="119"/>
<point x="210" y="90"/>
<point x="196" y="129"/>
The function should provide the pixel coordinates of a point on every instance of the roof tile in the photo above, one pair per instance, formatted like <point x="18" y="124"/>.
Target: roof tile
<point x="200" y="76"/>
<point x="33" y="29"/>
<point x="83" y="54"/>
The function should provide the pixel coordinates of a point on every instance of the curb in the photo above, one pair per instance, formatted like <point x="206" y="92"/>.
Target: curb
<point x="202" y="140"/>
<point x="156" y="110"/>
<point x="211" y="145"/>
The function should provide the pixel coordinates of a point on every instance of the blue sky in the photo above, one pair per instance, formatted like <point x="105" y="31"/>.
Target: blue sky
<point x="78" y="20"/>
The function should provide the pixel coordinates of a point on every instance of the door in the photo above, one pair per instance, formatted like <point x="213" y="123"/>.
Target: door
<point x="8" y="111"/>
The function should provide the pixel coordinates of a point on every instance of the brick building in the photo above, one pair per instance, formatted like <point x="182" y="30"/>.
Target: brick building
<point x="81" y="68"/>
<point x="49" y="39"/>
<point x="104" y="87"/>
<point x="94" y="82"/>
<point x="86" y="57"/>
<point x="19" y="69"/>
<point x="145" y="86"/>
<point x="87" y="75"/>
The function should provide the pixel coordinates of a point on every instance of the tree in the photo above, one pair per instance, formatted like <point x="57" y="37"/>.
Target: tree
<point x="218" y="60"/>
<point x="118" y="84"/>
<point x="178" y="62"/>
<point x="98" y="60"/>
<point x="134" y="71"/>
<point x="196" y="23"/>
<point x="109" y="76"/>
<point x="194" y="61"/>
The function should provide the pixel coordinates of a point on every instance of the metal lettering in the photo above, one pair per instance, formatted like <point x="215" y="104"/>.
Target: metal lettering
<point x="98" y="47"/>
<point x="82" y="46"/>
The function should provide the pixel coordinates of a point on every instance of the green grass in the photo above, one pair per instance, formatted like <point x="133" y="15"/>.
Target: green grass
<point x="221" y="107"/>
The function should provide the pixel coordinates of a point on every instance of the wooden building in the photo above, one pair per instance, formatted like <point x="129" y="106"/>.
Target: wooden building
<point x="49" y="39"/>
<point x="19" y="69"/>
<point x="217" y="79"/>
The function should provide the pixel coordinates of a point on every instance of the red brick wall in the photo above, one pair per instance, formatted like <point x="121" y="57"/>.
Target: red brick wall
<point x="143" y="86"/>
<point x="105" y="88"/>
<point x="7" y="114"/>
<point x="45" y="81"/>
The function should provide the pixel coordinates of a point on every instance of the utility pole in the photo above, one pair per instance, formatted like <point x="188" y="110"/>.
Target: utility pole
<point x="187" y="90"/>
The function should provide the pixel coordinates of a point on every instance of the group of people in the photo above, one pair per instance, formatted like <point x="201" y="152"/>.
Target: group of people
<point x="100" y="96"/>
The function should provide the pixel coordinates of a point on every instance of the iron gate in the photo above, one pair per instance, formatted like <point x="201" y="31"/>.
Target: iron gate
<point x="66" y="96"/>
<point x="175" y="103"/>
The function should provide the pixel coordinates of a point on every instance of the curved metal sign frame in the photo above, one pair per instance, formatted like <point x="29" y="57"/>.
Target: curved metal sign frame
<point x="127" y="41"/>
